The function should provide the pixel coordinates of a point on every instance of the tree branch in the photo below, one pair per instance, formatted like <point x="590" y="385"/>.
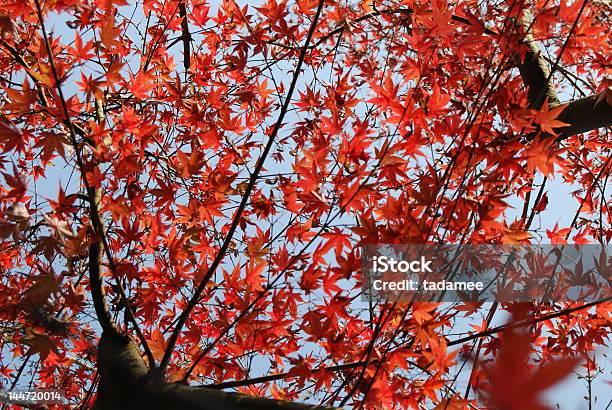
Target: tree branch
<point x="352" y="365"/>
<point x="96" y="285"/>
<point x="535" y="70"/>
<point x="127" y="383"/>
<point x="582" y="115"/>
<point x="389" y="11"/>
<point x="93" y="195"/>
<point x="95" y="249"/>
<point x="585" y="114"/>
<point x="40" y="89"/>
<point x="186" y="36"/>
<point x="245" y="197"/>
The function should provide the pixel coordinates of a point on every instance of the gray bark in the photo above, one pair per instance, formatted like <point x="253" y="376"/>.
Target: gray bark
<point x="127" y="383"/>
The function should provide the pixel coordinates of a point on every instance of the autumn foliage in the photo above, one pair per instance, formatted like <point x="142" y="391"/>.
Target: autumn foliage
<point x="200" y="176"/>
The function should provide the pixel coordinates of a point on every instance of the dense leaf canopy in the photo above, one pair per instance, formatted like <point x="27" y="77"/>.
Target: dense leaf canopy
<point x="200" y="177"/>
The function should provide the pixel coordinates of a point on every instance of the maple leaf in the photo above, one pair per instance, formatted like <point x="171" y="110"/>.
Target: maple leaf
<point x="263" y="91"/>
<point x="113" y="73"/>
<point x="386" y="95"/>
<point x="82" y="51"/>
<point x="440" y="19"/>
<point x="110" y="4"/>
<point x="454" y="403"/>
<point x="39" y="343"/>
<point x="511" y="383"/>
<point x="543" y="156"/>
<point x="17" y="183"/>
<point x="11" y="137"/>
<point x="127" y="269"/>
<point x="367" y="5"/>
<point x="21" y="100"/>
<point x="421" y="311"/>
<point x="64" y="203"/>
<point x="189" y="163"/>
<point x="437" y="101"/>
<point x="273" y="10"/>
<point x="51" y="144"/>
<point x="141" y="84"/>
<point x="516" y="237"/>
<point x="307" y="6"/>
<point x="91" y="86"/>
<point x="41" y="289"/>
<point x="157" y="343"/>
<point x="438" y="355"/>
<point x="542" y="204"/>
<point x="547" y="118"/>
<point x="253" y="276"/>
<point x="95" y="177"/>
<point x="109" y="32"/>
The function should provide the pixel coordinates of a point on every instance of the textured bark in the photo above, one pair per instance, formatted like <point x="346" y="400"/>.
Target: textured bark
<point x="127" y="383"/>
<point x="585" y="114"/>
<point x="582" y="115"/>
<point x="535" y="70"/>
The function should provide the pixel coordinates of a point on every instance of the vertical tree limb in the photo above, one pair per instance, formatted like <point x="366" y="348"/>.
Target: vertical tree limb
<point x="534" y="70"/>
<point x="186" y="36"/>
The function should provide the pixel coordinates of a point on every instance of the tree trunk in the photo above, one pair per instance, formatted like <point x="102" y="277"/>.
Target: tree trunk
<point x="126" y="383"/>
